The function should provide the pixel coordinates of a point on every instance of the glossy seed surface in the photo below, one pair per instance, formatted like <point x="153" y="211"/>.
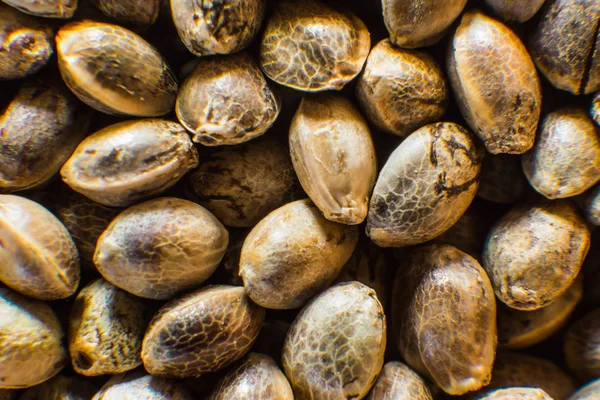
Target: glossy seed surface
<point x="397" y="381"/>
<point x="139" y="385"/>
<point x="45" y="8"/>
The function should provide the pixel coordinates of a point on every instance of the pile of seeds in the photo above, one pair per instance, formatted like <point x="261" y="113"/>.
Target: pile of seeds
<point x="300" y="199"/>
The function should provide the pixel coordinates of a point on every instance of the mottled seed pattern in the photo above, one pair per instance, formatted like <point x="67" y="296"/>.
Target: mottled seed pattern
<point x="515" y="10"/>
<point x="61" y="387"/>
<point x="398" y="382"/>
<point x="45" y="8"/>
<point x="139" y="385"/>
<point x="517" y="394"/>
<point x="139" y="14"/>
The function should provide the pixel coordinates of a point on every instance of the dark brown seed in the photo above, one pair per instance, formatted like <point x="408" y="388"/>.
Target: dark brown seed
<point x="419" y="23"/>
<point x="203" y="331"/>
<point x="344" y="326"/>
<point x="564" y="45"/>
<point x="309" y="46"/>
<point x="226" y="101"/>
<point x="61" y="387"/>
<point x="25" y="44"/>
<point x="161" y="247"/>
<point x="240" y="185"/>
<point x="130" y="161"/>
<point x="401" y="90"/>
<point x="45" y="8"/>
<point x="215" y="26"/>
<point x="115" y="71"/>
<point x="515" y="10"/>
<point x="293" y="254"/>
<point x="256" y="377"/>
<point x="582" y="347"/>
<point x="31" y="349"/>
<point x="495" y="83"/>
<point x="137" y="13"/>
<point x="592" y="206"/>
<point x="534" y="253"/>
<point x="106" y="328"/>
<point x="139" y="385"/>
<point x="271" y="338"/>
<point x="591" y="391"/>
<point x="502" y="179"/>
<point x="37" y="255"/>
<point x="468" y="233"/>
<point x="40" y="129"/>
<point x="565" y="160"/>
<point x="444" y="317"/>
<point x="397" y="381"/>
<point x="425" y="186"/>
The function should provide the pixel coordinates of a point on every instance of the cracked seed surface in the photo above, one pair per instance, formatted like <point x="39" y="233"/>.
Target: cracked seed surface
<point x="40" y="129"/>
<point x="38" y="257"/>
<point x="45" y="8"/>
<point x="425" y="186"/>
<point x="502" y="179"/>
<point x="203" y="331"/>
<point x="444" y="318"/>
<point x="61" y="387"/>
<point x="495" y="84"/>
<point x="240" y="185"/>
<point x="335" y="347"/>
<point x="564" y="45"/>
<point x="256" y="377"/>
<point x="582" y="347"/>
<point x="519" y="329"/>
<point x="401" y="90"/>
<point x="227" y="100"/>
<point x="334" y="157"/>
<point x="217" y="26"/>
<point x="565" y="160"/>
<point x="139" y="385"/>
<point x="517" y="394"/>
<point x="130" y="161"/>
<point x="106" y="328"/>
<point x="591" y="391"/>
<point x="397" y="381"/>
<point x="31" y="349"/>
<point x="161" y="247"/>
<point x="515" y="10"/>
<point x="419" y="23"/>
<point x="534" y="253"/>
<point x="115" y="71"/>
<point x="592" y="206"/>
<point x="309" y="46"/>
<point x="137" y="13"/>
<point x="522" y="370"/>
<point x="293" y="254"/>
<point x="25" y="44"/>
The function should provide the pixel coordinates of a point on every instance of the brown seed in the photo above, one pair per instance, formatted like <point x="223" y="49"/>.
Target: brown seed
<point x="31" y="350"/>
<point x="519" y="329"/>
<point x="514" y="10"/>
<point x="61" y="387"/>
<point x="592" y="206"/>
<point x="344" y="326"/>
<point x="256" y="377"/>
<point x="591" y="391"/>
<point x="502" y="179"/>
<point x="203" y="331"/>
<point x="534" y="253"/>
<point x="397" y="381"/>
<point x="517" y="394"/>
<point x="401" y="90"/>
<point x="106" y="328"/>
<point x="138" y="13"/>
<point x="161" y="247"/>
<point x="582" y="347"/>
<point x="40" y="129"/>
<point x="84" y="219"/>
<point x="564" y="45"/>
<point x="425" y="186"/>
<point x="227" y="100"/>
<point x="25" y="44"/>
<point x="334" y="157"/>
<point x="139" y="385"/>
<point x="293" y="254"/>
<point x="495" y="84"/>
<point x="240" y="185"/>
<point x="419" y="23"/>
<point x="444" y="317"/>
<point x="565" y="160"/>
<point x="130" y="161"/>
<point x="523" y="370"/>
<point x="309" y="46"/>
<point x="9" y="394"/>
<point x="45" y="8"/>
<point x="114" y="71"/>
<point x="217" y="27"/>
<point x="37" y="255"/>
